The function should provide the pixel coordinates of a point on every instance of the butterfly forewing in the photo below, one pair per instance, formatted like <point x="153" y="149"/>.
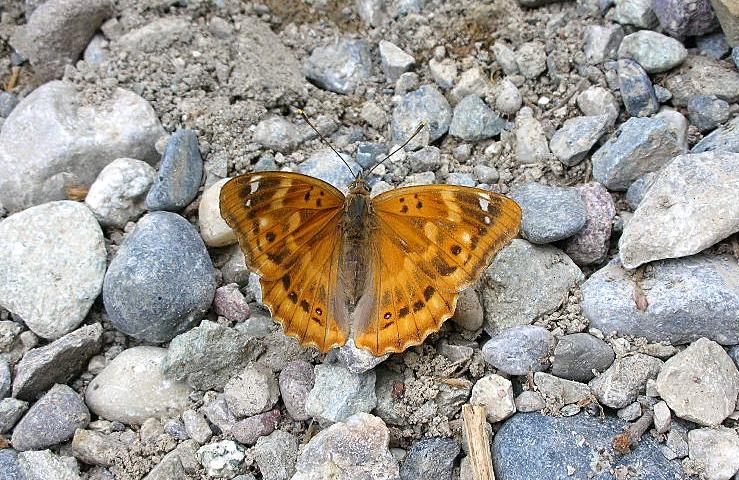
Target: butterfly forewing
<point x="288" y="226"/>
<point x="430" y="243"/>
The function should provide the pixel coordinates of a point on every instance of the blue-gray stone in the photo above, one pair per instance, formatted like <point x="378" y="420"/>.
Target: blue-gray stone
<point x="706" y="111"/>
<point x="734" y="354"/>
<point x="677" y="300"/>
<point x="571" y="143"/>
<point x="51" y="420"/>
<point x="473" y="120"/>
<point x="685" y="19"/>
<point x="11" y="410"/>
<point x="713" y="45"/>
<point x="430" y="458"/>
<point x="368" y="154"/>
<point x="519" y="350"/>
<point x="340" y="67"/>
<point x="663" y="95"/>
<point x="4" y="379"/>
<point x="265" y="163"/>
<point x="180" y="173"/>
<point x="725" y="138"/>
<point x="550" y="213"/>
<point x="639" y="188"/>
<point x="461" y="178"/>
<point x="10" y="469"/>
<point x="532" y="445"/>
<point x="161" y="281"/>
<point x="639" y="146"/>
<point x="8" y="101"/>
<point x="327" y="166"/>
<point x="637" y="91"/>
<point x="577" y="355"/>
<point x="425" y="104"/>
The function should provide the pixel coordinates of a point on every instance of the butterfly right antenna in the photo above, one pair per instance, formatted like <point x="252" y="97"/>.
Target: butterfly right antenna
<point x="418" y="130"/>
<point x="323" y="139"/>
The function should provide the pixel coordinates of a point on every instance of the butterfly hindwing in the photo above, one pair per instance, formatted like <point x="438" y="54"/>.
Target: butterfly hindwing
<point x="430" y="243"/>
<point x="288" y="226"/>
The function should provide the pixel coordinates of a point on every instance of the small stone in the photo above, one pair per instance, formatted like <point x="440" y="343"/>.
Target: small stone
<point x="571" y="143"/>
<point x="460" y="178"/>
<point x="707" y="112"/>
<point x="473" y="120"/>
<point x="560" y="392"/>
<point x="229" y="302"/>
<point x="169" y="467"/>
<point x="338" y="394"/>
<point x="637" y="190"/>
<point x="51" y="420"/>
<point x="677" y="442"/>
<point x="276" y="455"/>
<point x="531" y="143"/>
<point x="590" y="245"/>
<point x="373" y="115"/>
<point x="224" y="459"/>
<point x="430" y="458"/>
<point x="602" y="42"/>
<point x="406" y="82"/>
<point x="8" y="102"/>
<point x="180" y="173"/>
<point x="253" y="391"/>
<point x="636" y="88"/>
<point x="531" y="59"/>
<point x="10" y="466"/>
<point x="638" y="13"/>
<point x="161" y="281"/>
<point x="372" y="12"/>
<point x="508" y="99"/>
<point x="630" y="412"/>
<point x="713" y="45"/>
<point x="11" y="411"/>
<point x="9" y="334"/>
<point x="325" y="165"/>
<point x="700" y="75"/>
<point x="394" y="60"/>
<point x="443" y="72"/>
<point x="95" y="448"/>
<point x="495" y="393"/>
<point x="131" y="388"/>
<point x="714" y="398"/>
<point x="529" y="401"/>
<point x="5" y="379"/>
<point x="653" y="51"/>
<point x="217" y="412"/>
<point x="663" y="95"/>
<point x="685" y="19"/>
<point x="576" y="356"/>
<point x="717" y="450"/>
<point x="519" y="350"/>
<point x="358" y="360"/>
<point x="597" y="101"/>
<point x="425" y="104"/>
<point x="340" y="67"/>
<point x="58" y="362"/>
<point x="424" y="160"/>
<point x="45" y="465"/>
<point x="52" y="265"/>
<point x="469" y="313"/>
<point x="550" y="213"/>
<point x="277" y="133"/>
<point x="486" y="174"/>
<point x="296" y="381"/>
<point x="662" y="417"/>
<point x="249" y="430"/>
<point x="625" y="379"/>
<point x="470" y="82"/>
<point x="118" y="194"/>
<point x="735" y="55"/>
<point x="505" y="57"/>
<point x="196" y="426"/>
<point x="725" y="137"/>
<point x="368" y="154"/>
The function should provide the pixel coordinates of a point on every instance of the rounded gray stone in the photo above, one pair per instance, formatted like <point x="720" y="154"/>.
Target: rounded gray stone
<point x="519" y="350"/>
<point x="473" y="120"/>
<point x="430" y="458"/>
<point x="338" y="394"/>
<point x="653" y="51"/>
<point x="550" y="213"/>
<point x="180" y="173"/>
<point x="276" y="455"/>
<point x="625" y="379"/>
<point x="571" y="143"/>
<point x="636" y="88"/>
<point x="341" y="66"/>
<point x="706" y="112"/>
<point x="578" y="354"/>
<point x="252" y="391"/>
<point x="425" y="104"/>
<point x="327" y="166"/>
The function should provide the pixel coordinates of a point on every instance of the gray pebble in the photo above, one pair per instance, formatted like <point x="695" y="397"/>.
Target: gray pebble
<point x="663" y="95"/>
<point x="707" y="112"/>
<point x="11" y="410"/>
<point x="358" y="360"/>
<point x="277" y="133"/>
<point x="653" y="51"/>
<point x="9" y="465"/>
<point x="571" y="143"/>
<point x="394" y="60"/>
<point x="508" y="99"/>
<point x="196" y="426"/>
<point x="630" y="412"/>
<point x="222" y="459"/>
<point x="598" y="101"/>
<point x="714" y="45"/>
<point x="96" y="448"/>
<point x="180" y="173"/>
<point x="529" y="401"/>
<point x="338" y="394"/>
<point x="218" y="414"/>
<point x="425" y="160"/>
<point x="444" y="72"/>
<point x="46" y="465"/>
<point x="406" y="82"/>
<point x="505" y="57"/>
<point x="266" y="163"/>
<point x="638" y="13"/>
<point x="341" y="66"/>
<point x="701" y="75"/>
<point x="276" y="455"/>
<point x="625" y="379"/>
<point x="473" y="120"/>
<point x="460" y="178"/>
<point x="296" y="381"/>
<point x="327" y="166"/>
<point x="637" y="190"/>
<point x="5" y="379"/>
<point x="368" y="154"/>
<point x="602" y="42"/>
<point x="531" y="59"/>
<point x="735" y="56"/>
<point x="8" y="101"/>
<point x="531" y="143"/>
<point x="590" y="245"/>
<point x="252" y="391"/>
<point x="550" y="213"/>
<point x="576" y="356"/>
<point x="636" y="88"/>
<point x="725" y="137"/>
<point x="430" y="458"/>
<point x="519" y="350"/>
<point x="425" y="104"/>
<point x="249" y="430"/>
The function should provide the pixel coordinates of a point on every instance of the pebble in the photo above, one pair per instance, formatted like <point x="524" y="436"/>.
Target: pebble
<point x="196" y="426"/>
<point x="625" y="379"/>
<point x="57" y="33"/>
<point x="495" y="393"/>
<point x="473" y="120"/>
<point x="213" y="228"/>
<point x="560" y="392"/>
<point x="224" y="459"/>
<point x="505" y="57"/>
<point x="207" y="356"/>
<point x="95" y="448"/>
<point x="595" y="101"/>
<point x="531" y="143"/>
<point x="602" y="42"/>
<point x="96" y="53"/>
<point x="637" y="190"/>
<point x="584" y="449"/>
<point x="8" y="102"/>
<point x="640" y="146"/>
<point x="576" y="356"/>
<point x="52" y="264"/>
<point x="57" y="362"/>
<point x="251" y="429"/>
<point x="571" y="143"/>
<point x="469" y="313"/>
<point x="132" y="388"/>
<point x="338" y="394"/>
<point x="655" y="52"/>
<point x="46" y="465"/>
<point x="630" y="412"/>
<point x="425" y="160"/>
<point x="341" y="66"/>
<point x="531" y="58"/>
<point x="430" y="458"/>
<point x="252" y="391"/>
<point x="5" y="379"/>
<point x="180" y="173"/>
<point x="444" y="72"/>
<point x="519" y="350"/>
<point x="682" y="19"/>
<point x="219" y="415"/>
<point x="276" y="455"/>
<point x="325" y="165"/>
<point x="394" y="60"/>
<point x="529" y="401"/>
<point x="713" y="45"/>
<point x="121" y="125"/>
<point x="425" y="104"/>
<point x="709" y="401"/>
<point x="461" y="178"/>
<point x="161" y="281"/>
<point x="9" y="465"/>
<point x="508" y="99"/>
<point x="706" y="212"/>
<point x="359" y="445"/>
<point x="638" y="13"/>
<point x="590" y="245"/>
<point x="524" y="282"/>
<point x="229" y="302"/>
<point x="51" y="420"/>
<point x="358" y="360"/>
<point x="471" y="82"/>
<point x="550" y="213"/>
<point x="9" y="334"/>
<point x="676" y="445"/>
<point x="277" y="133"/>
<point x="636" y="88"/>
<point x="717" y="450"/>
<point x="406" y="82"/>
<point x="725" y="137"/>
<point x="11" y="411"/>
<point x="373" y="115"/>
<point x="735" y="55"/>
<point x="368" y="154"/>
<point x="296" y="381"/>
<point x="700" y="75"/>
<point x="169" y="467"/>
<point x="662" y="417"/>
<point x="707" y="112"/>
<point x="485" y="174"/>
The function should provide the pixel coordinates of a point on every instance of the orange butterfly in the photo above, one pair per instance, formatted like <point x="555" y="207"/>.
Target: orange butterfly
<point x="400" y="258"/>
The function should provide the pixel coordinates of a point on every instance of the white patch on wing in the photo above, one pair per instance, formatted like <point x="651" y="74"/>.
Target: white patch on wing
<point x="254" y="186"/>
<point x="484" y="203"/>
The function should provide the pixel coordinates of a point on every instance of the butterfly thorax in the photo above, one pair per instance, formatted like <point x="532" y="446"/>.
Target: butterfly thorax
<point x="356" y="227"/>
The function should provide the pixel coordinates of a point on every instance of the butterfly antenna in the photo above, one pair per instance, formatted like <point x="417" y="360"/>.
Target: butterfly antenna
<point x="418" y="130"/>
<point x="323" y="139"/>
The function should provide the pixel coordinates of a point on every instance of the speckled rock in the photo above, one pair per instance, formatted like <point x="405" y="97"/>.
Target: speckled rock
<point x="252" y="391"/>
<point x="341" y="66"/>
<point x="473" y="120"/>
<point x="427" y="103"/>
<point x="571" y="143"/>
<point x="590" y="245"/>
<point x="249" y="430"/>
<point x="325" y="165"/>
<point x="338" y="394"/>
<point x="680" y="18"/>
<point x="727" y="12"/>
<point x="519" y="350"/>
<point x="277" y="133"/>
<point x="430" y="458"/>
<point x="196" y="426"/>
<point x="653" y="51"/>
<point x="180" y="173"/>
<point x="550" y="213"/>
<point x="276" y="455"/>
<point x="576" y="356"/>
<point x="508" y="99"/>
<point x="46" y="465"/>
<point x="531" y="143"/>
<point x="726" y="138"/>
<point x="559" y="392"/>
<point x="637" y="190"/>
<point x="531" y="58"/>
<point x="52" y="262"/>
<point x="229" y="302"/>
<point x="11" y="411"/>
<point x="495" y="393"/>
<point x="700" y="75"/>
<point x="4" y="379"/>
<point x="132" y="388"/>
<point x="625" y="379"/>
<point x="394" y="60"/>
<point x="213" y="228"/>
<point x="717" y="450"/>
<point x="161" y="281"/>
<point x="224" y="459"/>
<point x="10" y="466"/>
<point x="707" y="112"/>
<point x="595" y="101"/>
<point x="638" y="13"/>
<point x="296" y="381"/>
<point x="601" y="42"/>
<point x="636" y="88"/>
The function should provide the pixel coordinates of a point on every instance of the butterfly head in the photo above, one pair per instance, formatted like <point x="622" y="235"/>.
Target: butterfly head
<point x="359" y="186"/>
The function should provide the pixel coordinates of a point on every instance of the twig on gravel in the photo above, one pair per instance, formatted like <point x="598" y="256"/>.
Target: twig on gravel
<point x="627" y="441"/>
<point x="478" y="442"/>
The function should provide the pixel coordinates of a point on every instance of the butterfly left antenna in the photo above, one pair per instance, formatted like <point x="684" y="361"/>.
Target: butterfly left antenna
<point x="323" y="139"/>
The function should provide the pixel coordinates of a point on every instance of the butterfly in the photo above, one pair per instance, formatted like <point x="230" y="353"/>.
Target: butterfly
<point x="399" y="259"/>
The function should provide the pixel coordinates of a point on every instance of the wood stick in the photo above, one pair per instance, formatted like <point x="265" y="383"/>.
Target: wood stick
<point x="478" y="442"/>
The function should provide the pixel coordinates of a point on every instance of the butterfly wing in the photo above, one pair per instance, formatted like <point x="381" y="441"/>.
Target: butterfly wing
<point x="288" y="226"/>
<point x="429" y="243"/>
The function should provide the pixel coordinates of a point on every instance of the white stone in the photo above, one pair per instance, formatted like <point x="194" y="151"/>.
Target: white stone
<point x="132" y="388"/>
<point x="213" y="228"/>
<point x="662" y="417"/>
<point x="716" y="450"/>
<point x="470" y="82"/>
<point x="495" y="393"/>
<point x="394" y="60"/>
<point x="118" y="194"/>
<point x="531" y="143"/>
<point x="444" y="72"/>
<point x="46" y="465"/>
<point x="531" y="59"/>
<point x="598" y="101"/>
<point x="52" y="264"/>
<point x="508" y="99"/>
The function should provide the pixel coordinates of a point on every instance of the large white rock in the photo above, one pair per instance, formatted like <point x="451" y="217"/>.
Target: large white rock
<point x="52" y="264"/>
<point x="213" y="228"/>
<point x="55" y="139"/>
<point x="693" y="204"/>
<point x="132" y="388"/>
<point x="716" y="450"/>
